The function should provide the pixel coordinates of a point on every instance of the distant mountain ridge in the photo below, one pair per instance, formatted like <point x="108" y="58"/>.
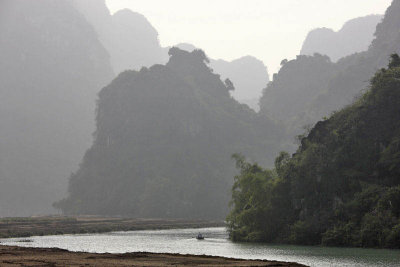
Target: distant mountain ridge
<point x="130" y="39"/>
<point x="55" y="57"/>
<point x="334" y="87"/>
<point x="133" y="43"/>
<point x="355" y="36"/>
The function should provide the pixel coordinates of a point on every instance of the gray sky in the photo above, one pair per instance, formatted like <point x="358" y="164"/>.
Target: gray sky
<point x="270" y="30"/>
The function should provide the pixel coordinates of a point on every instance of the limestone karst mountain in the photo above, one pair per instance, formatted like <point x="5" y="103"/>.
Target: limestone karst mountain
<point x="163" y="144"/>
<point x="51" y="68"/>
<point x="248" y="74"/>
<point x="355" y="36"/>
<point x="336" y="89"/>
<point x="132" y="43"/>
<point x="340" y="188"/>
<point x="289" y="95"/>
<point x="130" y="39"/>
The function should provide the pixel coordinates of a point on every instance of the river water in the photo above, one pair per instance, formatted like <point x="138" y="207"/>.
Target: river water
<point x="216" y="243"/>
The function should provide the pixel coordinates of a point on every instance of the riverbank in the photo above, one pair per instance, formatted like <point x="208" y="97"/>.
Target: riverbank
<point x="18" y="256"/>
<point x="58" y="225"/>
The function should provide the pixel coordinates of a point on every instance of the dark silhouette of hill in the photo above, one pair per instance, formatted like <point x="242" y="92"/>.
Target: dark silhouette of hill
<point x="132" y="43"/>
<point x="356" y="70"/>
<point x="247" y="73"/>
<point x="293" y="89"/>
<point x="163" y="143"/>
<point x="51" y="68"/>
<point x="355" y="36"/>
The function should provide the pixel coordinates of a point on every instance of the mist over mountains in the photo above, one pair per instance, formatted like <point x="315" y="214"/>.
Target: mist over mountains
<point x="165" y="128"/>
<point x="133" y="43"/>
<point x="355" y="36"/>
<point x="334" y="85"/>
<point x="130" y="39"/>
<point x="51" y="68"/>
<point x="288" y="97"/>
<point x="163" y="143"/>
<point x="341" y="187"/>
<point x="55" y="58"/>
<point x="247" y="73"/>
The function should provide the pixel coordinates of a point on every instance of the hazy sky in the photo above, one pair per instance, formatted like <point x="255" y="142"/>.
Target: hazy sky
<point x="270" y="30"/>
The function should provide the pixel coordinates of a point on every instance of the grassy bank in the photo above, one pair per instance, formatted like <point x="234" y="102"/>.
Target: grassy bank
<point x="58" y="225"/>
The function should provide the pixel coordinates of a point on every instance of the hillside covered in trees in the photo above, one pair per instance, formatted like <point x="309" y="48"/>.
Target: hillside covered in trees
<point x="323" y="87"/>
<point x="163" y="143"/>
<point x="340" y="188"/>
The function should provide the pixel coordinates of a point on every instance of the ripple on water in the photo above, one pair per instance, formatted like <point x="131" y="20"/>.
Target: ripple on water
<point x="216" y="243"/>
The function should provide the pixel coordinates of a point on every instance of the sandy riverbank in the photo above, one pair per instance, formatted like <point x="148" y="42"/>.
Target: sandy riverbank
<point x="19" y="256"/>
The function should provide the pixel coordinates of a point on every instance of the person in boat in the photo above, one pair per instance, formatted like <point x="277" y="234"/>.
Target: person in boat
<point x="199" y="236"/>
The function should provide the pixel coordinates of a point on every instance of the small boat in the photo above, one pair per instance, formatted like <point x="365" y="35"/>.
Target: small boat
<point x="199" y="237"/>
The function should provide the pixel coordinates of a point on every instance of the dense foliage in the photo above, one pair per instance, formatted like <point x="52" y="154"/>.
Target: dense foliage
<point x="342" y="185"/>
<point x="163" y="140"/>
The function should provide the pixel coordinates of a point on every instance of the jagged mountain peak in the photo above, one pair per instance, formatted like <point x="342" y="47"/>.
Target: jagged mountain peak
<point x="355" y="36"/>
<point x="164" y="138"/>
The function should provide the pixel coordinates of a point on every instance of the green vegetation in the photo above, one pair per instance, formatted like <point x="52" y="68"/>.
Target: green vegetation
<point x="54" y="225"/>
<point x="162" y="145"/>
<point x="341" y="187"/>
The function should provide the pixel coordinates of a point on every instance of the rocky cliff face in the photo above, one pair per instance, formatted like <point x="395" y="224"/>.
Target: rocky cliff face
<point x="51" y="68"/>
<point x="163" y="144"/>
<point x="130" y="39"/>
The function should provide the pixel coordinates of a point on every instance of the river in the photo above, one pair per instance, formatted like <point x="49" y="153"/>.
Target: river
<point x="216" y="243"/>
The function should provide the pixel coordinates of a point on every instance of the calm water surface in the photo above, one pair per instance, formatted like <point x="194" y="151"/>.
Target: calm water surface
<point x="216" y="243"/>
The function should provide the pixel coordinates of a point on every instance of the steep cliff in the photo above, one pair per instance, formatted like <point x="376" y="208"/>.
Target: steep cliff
<point x="51" y="68"/>
<point x="163" y="143"/>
